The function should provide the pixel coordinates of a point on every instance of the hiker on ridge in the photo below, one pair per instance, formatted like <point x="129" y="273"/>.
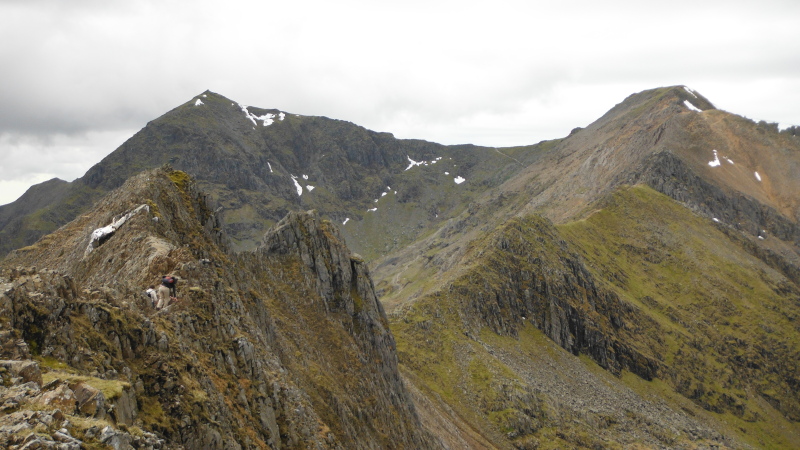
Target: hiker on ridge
<point x="152" y="295"/>
<point x="164" y="298"/>
<point x="170" y="282"/>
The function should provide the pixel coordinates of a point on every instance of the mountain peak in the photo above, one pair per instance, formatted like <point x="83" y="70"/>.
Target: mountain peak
<point x="656" y="103"/>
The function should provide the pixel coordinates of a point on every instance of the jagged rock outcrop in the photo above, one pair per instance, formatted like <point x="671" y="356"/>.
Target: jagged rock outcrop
<point x="289" y="339"/>
<point x="528" y="273"/>
<point x="341" y="283"/>
<point x="37" y="415"/>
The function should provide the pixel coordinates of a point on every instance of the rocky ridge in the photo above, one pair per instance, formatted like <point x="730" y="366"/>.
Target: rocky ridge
<point x="486" y="341"/>
<point x="289" y="339"/>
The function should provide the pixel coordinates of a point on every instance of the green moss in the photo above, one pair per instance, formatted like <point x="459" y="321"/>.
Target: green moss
<point x="153" y="208"/>
<point x="151" y="413"/>
<point x="53" y="364"/>
<point x="181" y="179"/>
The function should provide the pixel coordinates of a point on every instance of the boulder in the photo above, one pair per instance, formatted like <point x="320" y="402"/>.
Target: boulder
<point x="91" y="401"/>
<point x="27" y="370"/>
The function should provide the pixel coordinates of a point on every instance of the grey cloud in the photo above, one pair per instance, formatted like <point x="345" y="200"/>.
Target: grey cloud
<point x="449" y="72"/>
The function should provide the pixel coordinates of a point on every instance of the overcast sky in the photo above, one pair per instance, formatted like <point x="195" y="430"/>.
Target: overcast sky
<point x="79" y="77"/>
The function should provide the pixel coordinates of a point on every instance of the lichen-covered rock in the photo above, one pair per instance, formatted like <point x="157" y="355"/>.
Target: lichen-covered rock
<point x="58" y="395"/>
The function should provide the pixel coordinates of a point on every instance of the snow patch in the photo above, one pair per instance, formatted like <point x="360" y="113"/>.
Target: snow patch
<point x="447" y="173"/>
<point x="758" y="177"/>
<point x="204" y="95"/>
<point x="297" y="185"/>
<point x="270" y="167"/>
<point x="413" y="163"/>
<point x="346" y="219"/>
<point x="383" y="194"/>
<point x="305" y="177"/>
<point x="281" y="116"/>
<point x="372" y="209"/>
<point x="691" y="106"/>
<point x="715" y="220"/>
<point x="730" y="161"/>
<point x="715" y="162"/>
<point x="459" y="180"/>
<point x="690" y="91"/>
<point x="310" y="188"/>
<point x="267" y="119"/>
<point x="198" y="102"/>
<point x="98" y="235"/>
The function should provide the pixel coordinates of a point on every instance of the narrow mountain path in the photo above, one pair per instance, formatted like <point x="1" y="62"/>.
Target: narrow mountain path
<point x="509" y="157"/>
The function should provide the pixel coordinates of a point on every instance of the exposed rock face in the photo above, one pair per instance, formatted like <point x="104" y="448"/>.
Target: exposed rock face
<point x="289" y="339"/>
<point x="347" y="299"/>
<point x="740" y="215"/>
<point x="527" y="273"/>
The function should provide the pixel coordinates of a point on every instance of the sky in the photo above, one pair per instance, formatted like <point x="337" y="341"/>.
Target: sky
<point x="79" y="77"/>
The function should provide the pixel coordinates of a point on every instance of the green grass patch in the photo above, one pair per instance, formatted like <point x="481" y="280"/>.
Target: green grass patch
<point x="111" y="389"/>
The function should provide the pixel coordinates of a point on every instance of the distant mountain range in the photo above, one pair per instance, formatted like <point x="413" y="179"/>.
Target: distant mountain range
<point x="634" y="284"/>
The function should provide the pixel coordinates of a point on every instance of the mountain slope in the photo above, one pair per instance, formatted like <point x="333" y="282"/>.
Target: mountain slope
<point x="634" y="284"/>
<point x="259" y="164"/>
<point x="731" y="317"/>
<point x="289" y="339"/>
<point x="654" y="138"/>
<point x="658" y="296"/>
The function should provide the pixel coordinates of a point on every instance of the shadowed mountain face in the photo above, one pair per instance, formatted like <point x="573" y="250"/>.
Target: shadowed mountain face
<point x="260" y="164"/>
<point x="636" y="283"/>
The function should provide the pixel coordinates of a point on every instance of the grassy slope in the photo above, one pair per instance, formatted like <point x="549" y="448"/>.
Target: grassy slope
<point x="732" y="336"/>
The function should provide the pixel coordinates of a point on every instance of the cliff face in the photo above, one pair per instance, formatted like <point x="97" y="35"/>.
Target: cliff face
<point x="289" y="339"/>
<point x="527" y="272"/>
